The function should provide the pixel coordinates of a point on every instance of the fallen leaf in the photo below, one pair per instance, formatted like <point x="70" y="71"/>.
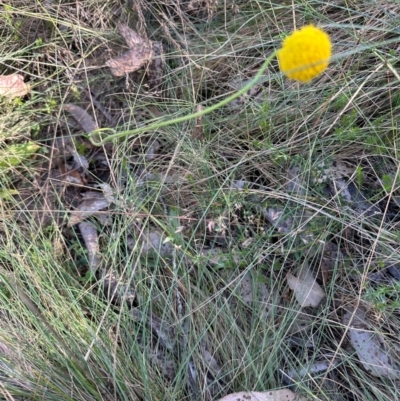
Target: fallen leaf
<point x="309" y="370"/>
<point x="91" y="239"/>
<point x="140" y="53"/>
<point x="306" y="290"/>
<point x="275" y="395"/>
<point x="66" y="175"/>
<point x="132" y="39"/>
<point x="93" y="202"/>
<point x="80" y="161"/>
<point x="371" y="348"/>
<point x="82" y="117"/>
<point x="274" y="217"/>
<point x="13" y="86"/>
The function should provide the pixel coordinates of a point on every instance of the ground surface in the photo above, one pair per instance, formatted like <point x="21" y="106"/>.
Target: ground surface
<point x="252" y="249"/>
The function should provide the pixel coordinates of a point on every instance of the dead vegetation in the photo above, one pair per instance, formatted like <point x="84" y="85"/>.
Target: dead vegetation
<point x="250" y="250"/>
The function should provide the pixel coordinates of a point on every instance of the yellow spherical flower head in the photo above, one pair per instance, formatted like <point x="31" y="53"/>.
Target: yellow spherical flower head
<point x="305" y="53"/>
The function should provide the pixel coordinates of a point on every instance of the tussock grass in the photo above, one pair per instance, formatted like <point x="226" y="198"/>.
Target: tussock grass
<point x="62" y="339"/>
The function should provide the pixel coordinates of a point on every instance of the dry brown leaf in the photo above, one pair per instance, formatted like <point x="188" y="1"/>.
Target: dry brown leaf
<point x="82" y="117"/>
<point x="132" y="39"/>
<point x="13" y="86"/>
<point x="275" y="395"/>
<point x="306" y="290"/>
<point x="126" y="63"/>
<point x="69" y="176"/>
<point x="140" y="53"/>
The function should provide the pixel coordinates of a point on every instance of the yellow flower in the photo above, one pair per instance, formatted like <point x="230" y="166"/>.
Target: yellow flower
<point x="305" y="53"/>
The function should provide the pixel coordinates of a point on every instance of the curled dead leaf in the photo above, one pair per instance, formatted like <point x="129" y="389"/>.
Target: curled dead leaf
<point x="128" y="62"/>
<point x="82" y="117"/>
<point x="91" y="239"/>
<point x="140" y="53"/>
<point x="13" y="86"/>
<point x="93" y="202"/>
<point x="132" y="39"/>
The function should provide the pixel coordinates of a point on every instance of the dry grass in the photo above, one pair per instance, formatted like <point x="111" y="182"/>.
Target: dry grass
<point x="193" y="333"/>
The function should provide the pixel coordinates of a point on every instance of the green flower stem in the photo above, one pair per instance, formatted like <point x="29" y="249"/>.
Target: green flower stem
<point x="177" y="120"/>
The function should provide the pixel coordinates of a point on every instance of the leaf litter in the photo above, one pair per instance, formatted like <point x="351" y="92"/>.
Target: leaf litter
<point x="374" y="353"/>
<point x="276" y="395"/>
<point x="306" y="290"/>
<point x="96" y="200"/>
<point x="141" y="52"/>
<point x="82" y="117"/>
<point x="308" y="293"/>
<point x="92" y="203"/>
<point x="77" y="179"/>
<point x="13" y="85"/>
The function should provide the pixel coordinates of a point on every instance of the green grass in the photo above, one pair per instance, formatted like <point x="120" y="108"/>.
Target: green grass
<point x="61" y="338"/>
